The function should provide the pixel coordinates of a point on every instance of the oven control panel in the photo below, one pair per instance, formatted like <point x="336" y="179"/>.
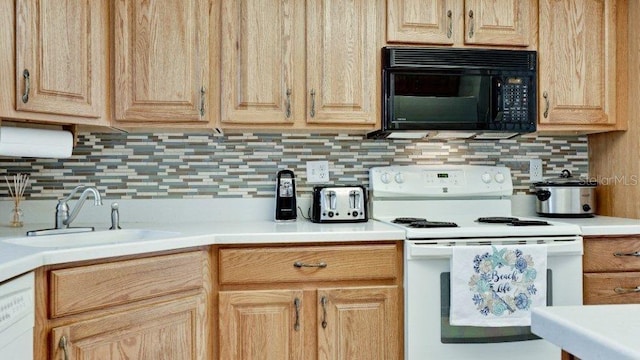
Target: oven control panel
<point x="440" y="181"/>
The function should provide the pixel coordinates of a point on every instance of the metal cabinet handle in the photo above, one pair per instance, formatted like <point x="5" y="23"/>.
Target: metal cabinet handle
<point x="323" y="302"/>
<point x="450" y="19"/>
<point x="471" y="24"/>
<point x="635" y="253"/>
<point x="545" y="95"/>
<point x="287" y="111"/>
<point x="27" y="85"/>
<point x="620" y="290"/>
<point x="300" y="264"/>
<point x="296" y="304"/>
<point x="202" y="92"/>
<point x="312" y="113"/>
<point x="62" y="344"/>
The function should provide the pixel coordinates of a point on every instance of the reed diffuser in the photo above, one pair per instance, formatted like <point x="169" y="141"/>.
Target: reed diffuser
<point x="16" y="190"/>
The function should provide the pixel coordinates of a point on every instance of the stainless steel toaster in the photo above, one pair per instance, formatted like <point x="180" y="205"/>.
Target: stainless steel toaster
<point x="339" y="204"/>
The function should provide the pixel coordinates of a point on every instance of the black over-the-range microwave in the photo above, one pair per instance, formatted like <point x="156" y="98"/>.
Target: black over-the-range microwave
<point x="470" y="93"/>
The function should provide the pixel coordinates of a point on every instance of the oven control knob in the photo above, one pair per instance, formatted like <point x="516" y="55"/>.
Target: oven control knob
<point x="499" y="177"/>
<point x="486" y="178"/>
<point x="399" y="178"/>
<point x="385" y="178"/>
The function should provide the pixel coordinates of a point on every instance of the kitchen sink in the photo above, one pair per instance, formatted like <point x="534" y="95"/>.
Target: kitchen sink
<point x="92" y="238"/>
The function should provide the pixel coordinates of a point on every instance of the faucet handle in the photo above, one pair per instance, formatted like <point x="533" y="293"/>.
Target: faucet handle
<point x="73" y="192"/>
<point x="115" y="217"/>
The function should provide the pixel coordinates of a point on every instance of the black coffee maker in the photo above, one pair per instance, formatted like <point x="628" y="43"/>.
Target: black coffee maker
<point x="285" y="196"/>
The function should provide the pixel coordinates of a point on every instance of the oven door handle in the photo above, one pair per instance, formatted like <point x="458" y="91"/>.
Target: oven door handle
<point x="429" y="249"/>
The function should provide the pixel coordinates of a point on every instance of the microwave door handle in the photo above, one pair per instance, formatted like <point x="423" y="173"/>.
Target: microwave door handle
<point x="497" y="109"/>
<point x="499" y="105"/>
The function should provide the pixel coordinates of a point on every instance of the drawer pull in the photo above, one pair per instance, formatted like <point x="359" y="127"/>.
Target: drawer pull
<point x="636" y="254"/>
<point x="620" y="290"/>
<point x="300" y="264"/>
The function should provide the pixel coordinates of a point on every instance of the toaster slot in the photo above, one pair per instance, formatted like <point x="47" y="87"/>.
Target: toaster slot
<point x="331" y="200"/>
<point x="354" y="199"/>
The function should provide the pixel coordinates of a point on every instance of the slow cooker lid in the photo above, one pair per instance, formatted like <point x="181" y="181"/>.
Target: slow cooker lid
<point x="566" y="179"/>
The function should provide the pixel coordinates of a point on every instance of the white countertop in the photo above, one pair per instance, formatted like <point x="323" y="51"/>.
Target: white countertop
<point x="591" y="331"/>
<point x="205" y="222"/>
<point x="604" y="225"/>
<point x="16" y="259"/>
<point x="524" y="205"/>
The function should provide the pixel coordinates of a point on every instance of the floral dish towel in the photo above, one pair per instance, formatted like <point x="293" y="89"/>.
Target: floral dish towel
<point x="497" y="285"/>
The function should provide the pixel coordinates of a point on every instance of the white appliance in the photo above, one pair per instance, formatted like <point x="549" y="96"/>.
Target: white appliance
<point x="450" y="200"/>
<point x="17" y="318"/>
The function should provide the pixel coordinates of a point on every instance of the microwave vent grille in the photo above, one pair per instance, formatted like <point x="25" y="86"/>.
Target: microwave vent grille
<point x="466" y="58"/>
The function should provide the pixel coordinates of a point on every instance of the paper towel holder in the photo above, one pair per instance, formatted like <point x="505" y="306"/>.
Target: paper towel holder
<point x="37" y="141"/>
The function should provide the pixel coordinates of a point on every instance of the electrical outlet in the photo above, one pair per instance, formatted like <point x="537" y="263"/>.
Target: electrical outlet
<point x="535" y="170"/>
<point x="317" y="172"/>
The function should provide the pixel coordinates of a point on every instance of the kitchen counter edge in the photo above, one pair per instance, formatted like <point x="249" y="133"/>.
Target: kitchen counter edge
<point x="591" y="331"/>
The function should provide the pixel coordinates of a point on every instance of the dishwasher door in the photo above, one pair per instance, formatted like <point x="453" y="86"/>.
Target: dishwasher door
<point x="17" y="318"/>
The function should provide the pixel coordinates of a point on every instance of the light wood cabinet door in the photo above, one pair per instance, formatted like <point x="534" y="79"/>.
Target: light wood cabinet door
<point x="259" y="62"/>
<point x="458" y="23"/>
<point x="358" y="323"/>
<point x="161" y="57"/>
<point x="342" y="61"/>
<point x="171" y="330"/>
<point x="426" y="22"/>
<point x="261" y="324"/>
<point x="268" y="46"/>
<point x="577" y="63"/>
<point x="60" y="58"/>
<point x="498" y="22"/>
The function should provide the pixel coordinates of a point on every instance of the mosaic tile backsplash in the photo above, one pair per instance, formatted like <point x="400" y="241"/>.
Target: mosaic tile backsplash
<point x="204" y="165"/>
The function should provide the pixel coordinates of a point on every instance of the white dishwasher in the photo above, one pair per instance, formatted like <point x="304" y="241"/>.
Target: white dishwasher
<point x="17" y="318"/>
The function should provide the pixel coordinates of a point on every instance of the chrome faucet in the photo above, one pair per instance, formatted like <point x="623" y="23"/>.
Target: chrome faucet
<point x="63" y="216"/>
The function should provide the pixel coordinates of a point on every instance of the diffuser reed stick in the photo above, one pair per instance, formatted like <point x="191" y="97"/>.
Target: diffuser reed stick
<point x="16" y="191"/>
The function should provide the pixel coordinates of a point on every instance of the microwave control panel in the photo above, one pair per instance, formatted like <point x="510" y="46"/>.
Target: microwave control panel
<point x="515" y="100"/>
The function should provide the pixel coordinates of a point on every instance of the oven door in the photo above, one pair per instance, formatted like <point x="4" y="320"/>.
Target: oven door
<point x="428" y="335"/>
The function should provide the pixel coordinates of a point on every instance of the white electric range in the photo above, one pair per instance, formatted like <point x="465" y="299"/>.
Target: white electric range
<point x="443" y="206"/>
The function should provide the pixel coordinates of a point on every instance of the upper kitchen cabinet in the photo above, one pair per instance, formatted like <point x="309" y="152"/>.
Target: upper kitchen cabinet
<point x="161" y="63"/>
<point x="577" y="65"/>
<point x="260" y="45"/>
<point x="452" y="22"/>
<point x="57" y="61"/>
<point x="293" y="64"/>
<point x="343" y="52"/>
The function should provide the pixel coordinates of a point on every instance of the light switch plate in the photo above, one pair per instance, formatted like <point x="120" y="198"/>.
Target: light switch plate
<point x="317" y="172"/>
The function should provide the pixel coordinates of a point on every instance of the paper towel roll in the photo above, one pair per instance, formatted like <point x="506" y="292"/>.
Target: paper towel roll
<point x="37" y="143"/>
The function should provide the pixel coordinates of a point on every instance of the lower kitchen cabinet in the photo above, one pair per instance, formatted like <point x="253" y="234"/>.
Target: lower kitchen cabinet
<point x="358" y="323"/>
<point x="611" y="266"/>
<point x="261" y="324"/>
<point x="321" y="302"/>
<point x="349" y="323"/>
<point x="155" y="307"/>
<point x="170" y="330"/>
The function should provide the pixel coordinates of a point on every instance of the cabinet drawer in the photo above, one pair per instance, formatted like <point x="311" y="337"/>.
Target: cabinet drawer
<point x="84" y="288"/>
<point x="270" y="264"/>
<point x="599" y="254"/>
<point x="600" y="288"/>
